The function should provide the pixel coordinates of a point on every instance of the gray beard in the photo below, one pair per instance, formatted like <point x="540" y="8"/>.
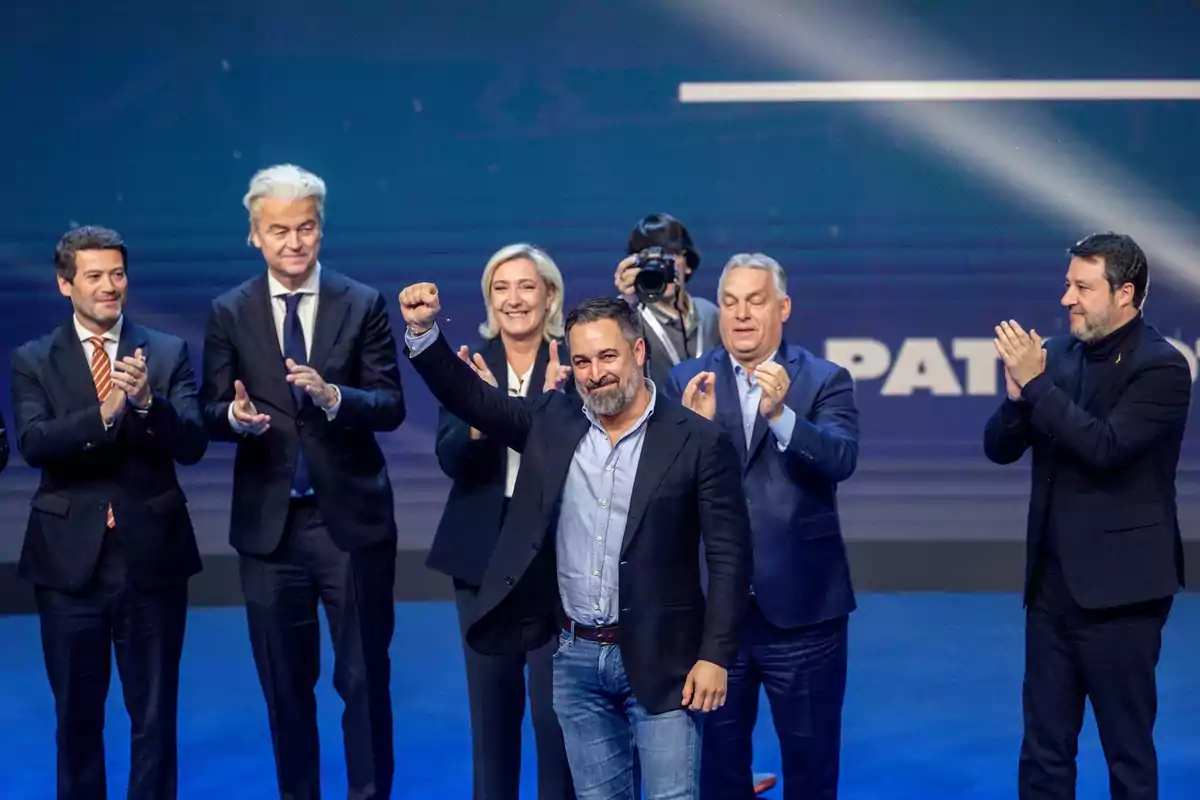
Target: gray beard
<point x="609" y="401"/>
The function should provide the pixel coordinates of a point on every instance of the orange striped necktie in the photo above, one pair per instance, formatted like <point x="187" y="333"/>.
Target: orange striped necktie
<point x="102" y="377"/>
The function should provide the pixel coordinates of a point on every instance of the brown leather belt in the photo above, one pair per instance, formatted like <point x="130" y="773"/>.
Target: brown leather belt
<point x="604" y="634"/>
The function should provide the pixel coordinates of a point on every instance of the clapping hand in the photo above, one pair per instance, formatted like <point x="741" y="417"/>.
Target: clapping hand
<point x="245" y="414"/>
<point x="1022" y="353"/>
<point x="700" y="395"/>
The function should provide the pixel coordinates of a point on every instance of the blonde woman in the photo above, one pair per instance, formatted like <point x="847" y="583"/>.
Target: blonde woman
<point x="522" y="354"/>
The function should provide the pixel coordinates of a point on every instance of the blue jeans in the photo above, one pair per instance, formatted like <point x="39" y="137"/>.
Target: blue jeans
<point x="602" y="722"/>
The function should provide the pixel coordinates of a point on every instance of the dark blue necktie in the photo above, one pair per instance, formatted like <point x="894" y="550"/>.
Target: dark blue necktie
<point x="293" y="348"/>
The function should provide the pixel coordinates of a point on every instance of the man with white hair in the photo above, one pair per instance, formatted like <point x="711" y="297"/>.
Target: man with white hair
<point x="795" y="422"/>
<point x="300" y="371"/>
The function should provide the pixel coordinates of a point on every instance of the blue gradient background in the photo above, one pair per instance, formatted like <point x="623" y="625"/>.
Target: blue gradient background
<point x="447" y="130"/>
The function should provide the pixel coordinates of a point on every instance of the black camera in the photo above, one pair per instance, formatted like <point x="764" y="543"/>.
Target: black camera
<point x="657" y="272"/>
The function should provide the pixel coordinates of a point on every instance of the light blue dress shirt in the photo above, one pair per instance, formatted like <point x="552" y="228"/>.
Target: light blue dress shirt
<point x="749" y="394"/>
<point x="593" y="514"/>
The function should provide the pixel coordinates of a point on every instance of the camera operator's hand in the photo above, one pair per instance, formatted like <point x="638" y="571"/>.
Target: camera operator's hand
<point x="626" y="274"/>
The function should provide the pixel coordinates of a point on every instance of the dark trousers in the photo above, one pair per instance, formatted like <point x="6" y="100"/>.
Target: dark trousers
<point x="282" y="591"/>
<point x="1108" y="657"/>
<point x="80" y="631"/>
<point x="804" y="673"/>
<point x="496" y="690"/>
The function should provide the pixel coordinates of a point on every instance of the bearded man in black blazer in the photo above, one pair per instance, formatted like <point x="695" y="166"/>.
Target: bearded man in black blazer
<point x="300" y="371"/>
<point x="1104" y="412"/>
<point x="618" y="487"/>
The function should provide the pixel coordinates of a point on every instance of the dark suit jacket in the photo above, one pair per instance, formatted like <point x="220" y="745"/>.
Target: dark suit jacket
<point x="85" y="467"/>
<point x="688" y="468"/>
<point x="352" y="347"/>
<point x="801" y="575"/>
<point x="470" y="523"/>
<point x="1109" y="464"/>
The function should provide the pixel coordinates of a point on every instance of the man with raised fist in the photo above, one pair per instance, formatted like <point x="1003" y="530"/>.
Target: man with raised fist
<point x="585" y="555"/>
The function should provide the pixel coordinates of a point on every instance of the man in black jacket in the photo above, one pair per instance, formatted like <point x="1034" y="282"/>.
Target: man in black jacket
<point x="599" y="547"/>
<point x="106" y="408"/>
<point x="300" y="371"/>
<point x="1104" y="412"/>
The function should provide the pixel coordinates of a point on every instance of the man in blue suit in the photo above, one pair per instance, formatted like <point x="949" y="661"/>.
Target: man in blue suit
<point x="794" y="420"/>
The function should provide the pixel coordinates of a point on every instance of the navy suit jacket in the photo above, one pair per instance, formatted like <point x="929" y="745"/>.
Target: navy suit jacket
<point x="801" y="575"/>
<point x="86" y="467"/>
<point x="1108" y="462"/>
<point x="352" y="347"/>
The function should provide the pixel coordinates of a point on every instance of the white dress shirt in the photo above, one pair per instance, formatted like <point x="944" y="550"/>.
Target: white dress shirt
<point x="307" y="311"/>
<point x="518" y="386"/>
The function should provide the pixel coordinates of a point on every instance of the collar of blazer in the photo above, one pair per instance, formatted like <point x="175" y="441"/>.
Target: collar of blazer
<point x="257" y="316"/>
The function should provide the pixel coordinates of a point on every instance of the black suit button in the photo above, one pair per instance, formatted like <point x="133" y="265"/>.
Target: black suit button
<point x="508" y="581"/>
<point x="299" y="423"/>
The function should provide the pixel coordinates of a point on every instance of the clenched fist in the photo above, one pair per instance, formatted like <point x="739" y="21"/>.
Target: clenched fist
<point x="420" y="306"/>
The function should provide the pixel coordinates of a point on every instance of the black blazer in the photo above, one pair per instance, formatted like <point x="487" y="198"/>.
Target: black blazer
<point x="688" y="467"/>
<point x="1109" y="464"/>
<point x="85" y="467"/>
<point x="470" y="523"/>
<point x="352" y="347"/>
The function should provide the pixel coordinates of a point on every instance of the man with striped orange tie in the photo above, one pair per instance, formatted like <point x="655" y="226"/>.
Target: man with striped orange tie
<point x="106" y="408"/>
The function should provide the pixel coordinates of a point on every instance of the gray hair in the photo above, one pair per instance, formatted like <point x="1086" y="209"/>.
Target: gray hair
<point x="758" y="261"/>
<point x="285" y="181"/>
<point x="552" y="327"/>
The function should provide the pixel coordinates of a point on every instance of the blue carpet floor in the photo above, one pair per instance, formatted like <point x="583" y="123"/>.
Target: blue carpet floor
<point x="932" y="709"/>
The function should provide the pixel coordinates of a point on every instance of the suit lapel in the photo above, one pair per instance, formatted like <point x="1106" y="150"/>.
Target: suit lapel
<point x="665" y="436"/>
<point x="133" y="336"/>
<point x="729" y="404"/>
<point x="558" y="460"/>
<point x="1069" y="372"/>
<point x="496" y="358"/>
<point x="791" y="362"/>
<point x="537" y="378"/>
<point x="332" y="310"/>
<point x="69" y="359"/>
<point x="257" y="320"/>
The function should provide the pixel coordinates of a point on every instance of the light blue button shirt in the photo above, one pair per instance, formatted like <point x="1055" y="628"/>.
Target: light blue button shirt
<point x="749" y="394"/>
<point x="594" y="512"/>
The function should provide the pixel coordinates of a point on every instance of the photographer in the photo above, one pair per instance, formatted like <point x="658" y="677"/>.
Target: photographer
<point x="653" y="279"/>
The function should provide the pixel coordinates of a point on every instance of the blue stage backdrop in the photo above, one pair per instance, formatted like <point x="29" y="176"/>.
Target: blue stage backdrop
<point x="446" y="130"/>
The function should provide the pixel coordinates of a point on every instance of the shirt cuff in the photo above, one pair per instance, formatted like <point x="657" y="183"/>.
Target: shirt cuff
<point x="233" y="423"/>
<point x="783" y="427"/>
<point x="331" y="412"/>
<point x="417" y="344"/>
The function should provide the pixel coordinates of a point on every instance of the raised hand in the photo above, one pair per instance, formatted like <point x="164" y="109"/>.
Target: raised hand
<point x="419" y="304"/>
<point x="556" y="373"/>
<point x="245" y="414"/>
<point x="308" y="379"/>
<point x="478" y="364"/>
<point x="700" y="395"/>
<point x="1022" y="353"/>
<point x="774" y="381"/>
<point x="131" y="377"/>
